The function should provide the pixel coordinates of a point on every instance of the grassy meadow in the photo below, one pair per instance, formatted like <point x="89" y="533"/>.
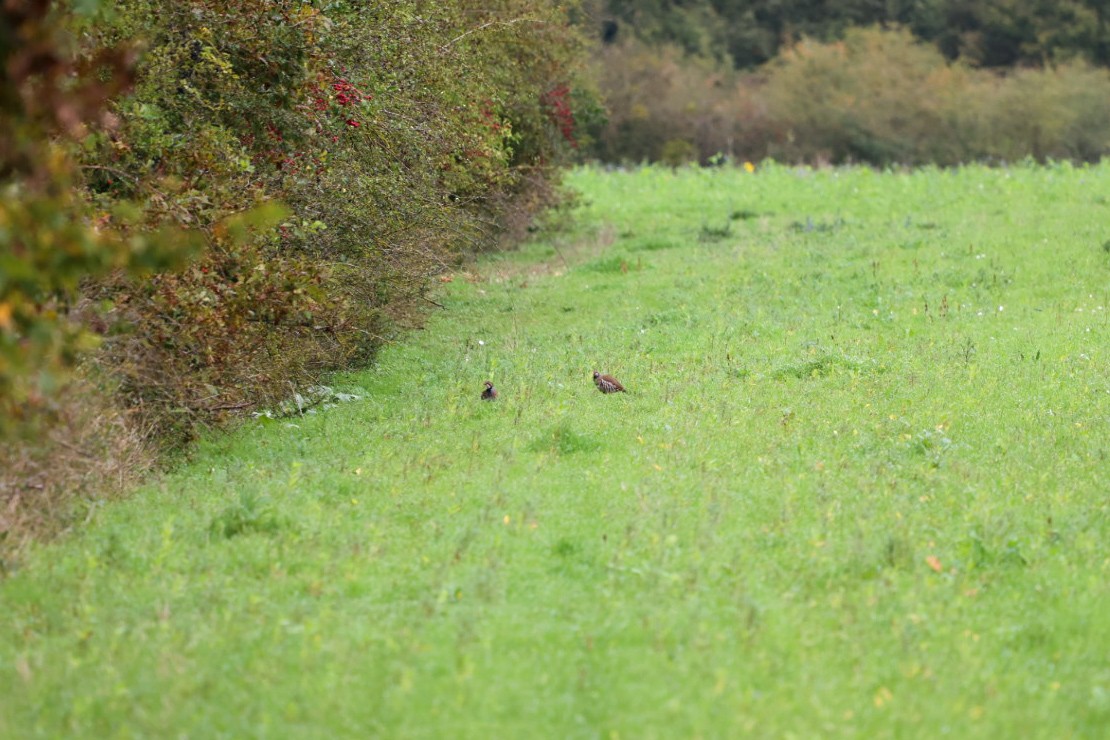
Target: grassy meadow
<point x="859" y="487"/>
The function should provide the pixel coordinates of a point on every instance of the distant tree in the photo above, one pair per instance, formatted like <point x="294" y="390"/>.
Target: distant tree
<point x="986" y="33"/>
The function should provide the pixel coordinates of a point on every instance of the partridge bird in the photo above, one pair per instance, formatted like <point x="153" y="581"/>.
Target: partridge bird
<point x="607" y="383"/>
<point x="489" y="393"/>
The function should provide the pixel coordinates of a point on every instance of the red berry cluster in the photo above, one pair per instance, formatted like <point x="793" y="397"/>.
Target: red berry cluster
<point x="311" y="161"/>
<point x="490" y="118"/>
<point x="557" y="102"/>
<point x="347" y="94"/>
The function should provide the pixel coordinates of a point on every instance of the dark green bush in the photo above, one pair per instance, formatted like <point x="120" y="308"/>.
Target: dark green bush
<point x="986" y="33"/>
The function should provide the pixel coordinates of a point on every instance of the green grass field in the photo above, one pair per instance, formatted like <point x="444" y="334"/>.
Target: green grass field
<point x="859" y="487"/>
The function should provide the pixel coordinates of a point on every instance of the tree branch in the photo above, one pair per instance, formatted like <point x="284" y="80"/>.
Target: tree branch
<point x="484" y="26"/>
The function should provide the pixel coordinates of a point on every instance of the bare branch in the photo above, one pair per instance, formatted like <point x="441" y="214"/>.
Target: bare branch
<point x="484" y="26"/>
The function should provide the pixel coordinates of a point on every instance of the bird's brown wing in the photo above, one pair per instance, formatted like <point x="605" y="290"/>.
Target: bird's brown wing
<point x="616" y="384"/>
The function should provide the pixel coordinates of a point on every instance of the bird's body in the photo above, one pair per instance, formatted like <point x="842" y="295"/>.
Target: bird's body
<point x="489" y="393"/>
<point x="607" y="383"/>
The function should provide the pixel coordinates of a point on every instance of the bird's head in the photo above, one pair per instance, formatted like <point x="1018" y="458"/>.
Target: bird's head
<point x="596" y="375"/>
<point x="488" y="384"/>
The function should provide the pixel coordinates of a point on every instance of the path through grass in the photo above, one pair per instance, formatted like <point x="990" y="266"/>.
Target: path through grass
<point x="860" y="487"/>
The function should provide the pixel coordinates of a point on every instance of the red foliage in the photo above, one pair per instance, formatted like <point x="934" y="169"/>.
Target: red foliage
<point x="557" y="103"/>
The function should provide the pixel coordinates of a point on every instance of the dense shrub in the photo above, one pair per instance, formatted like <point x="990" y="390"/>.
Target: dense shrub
<point x="317" y="165"/>
<point x="876" y="96"/>
<point x="393" y="134"/>
<point x="662" y="102"/>
<point x="49" y="237"/>
<point x="1057" y="113"/>
<point x="879" y="96"/>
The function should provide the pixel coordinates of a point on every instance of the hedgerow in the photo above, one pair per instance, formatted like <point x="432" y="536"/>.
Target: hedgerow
<point x="255" y="192"/>
<point x="877" y="95"/>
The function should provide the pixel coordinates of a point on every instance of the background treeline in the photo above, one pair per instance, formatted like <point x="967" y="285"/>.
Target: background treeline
<point x="982" y="33"/>
<point x="206" y="205"/>
<point x="907" y="82"/>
